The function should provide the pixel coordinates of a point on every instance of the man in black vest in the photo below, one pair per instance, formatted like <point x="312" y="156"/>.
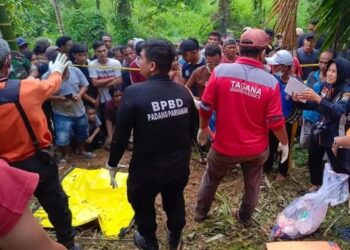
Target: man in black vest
<point x="159" y="112"/>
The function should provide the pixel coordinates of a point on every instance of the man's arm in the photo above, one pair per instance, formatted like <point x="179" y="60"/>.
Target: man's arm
<point x="109" y="128"/>
<point x="192" y="81"/>
<point x="28" y="234"/>
<point x="77" y="97"/>
<point x="117" y="80"/>
<point x="102" y="82"/>
<point x="281" y="134"/>
<point x="90" y="99"/>
<point x="122" y="129"/>
<point x="44" y="88"/>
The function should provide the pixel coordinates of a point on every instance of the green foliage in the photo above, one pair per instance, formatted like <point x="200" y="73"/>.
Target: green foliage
<point x="122" y="20"/>
<point x="300" y="156"/>
<point x="31" y="18"/>
<point x="180" y="20"/>
<point x="174" y="20"/>
<point x="84" y="25"/>
<point x="334" y="22"/>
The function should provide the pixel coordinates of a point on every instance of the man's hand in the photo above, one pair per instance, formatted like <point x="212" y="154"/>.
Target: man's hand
<point x="89" y="140"/>
<point x="196" y="103"/>
<point x="112" y="173"/>
<point x="60" y="63"/>
<point x="335" y="146"/>
<point x="77" y="97"/>
<point x="202" y="135"/>
<point x="285" y="151"/>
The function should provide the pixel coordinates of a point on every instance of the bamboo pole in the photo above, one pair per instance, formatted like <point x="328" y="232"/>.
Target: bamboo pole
<point x="58" y="16"/>
<point x="6" y="27"/>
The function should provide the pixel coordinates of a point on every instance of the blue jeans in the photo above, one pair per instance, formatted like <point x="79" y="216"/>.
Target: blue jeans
<point x="66" y="125"/>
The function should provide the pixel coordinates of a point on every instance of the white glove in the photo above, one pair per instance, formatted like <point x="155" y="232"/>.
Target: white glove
<point x="285" y="151"/>
<point x="60" y="63"/>
<point x="196" y="103"/>
<point x="202" y="135"/>
<point x="112" y="173"/>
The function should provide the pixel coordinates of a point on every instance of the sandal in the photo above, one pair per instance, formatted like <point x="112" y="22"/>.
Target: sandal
<point x="203" y="160"/>
<point x="87" y="155"/>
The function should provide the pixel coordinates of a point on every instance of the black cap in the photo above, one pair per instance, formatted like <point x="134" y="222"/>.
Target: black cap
<point x="188" y="45"/>
<point x="270" y="32"/>
<point x="309" y="35"/>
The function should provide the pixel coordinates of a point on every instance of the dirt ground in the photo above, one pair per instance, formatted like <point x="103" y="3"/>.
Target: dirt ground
<point x="221" y="230"/>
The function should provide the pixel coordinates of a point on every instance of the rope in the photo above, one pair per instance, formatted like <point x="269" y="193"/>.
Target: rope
<point x="106" y="67"/>
<point x="309" y="65"/>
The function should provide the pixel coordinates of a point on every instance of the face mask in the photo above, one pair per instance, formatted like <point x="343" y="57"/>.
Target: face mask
<point x="279" y="73"/>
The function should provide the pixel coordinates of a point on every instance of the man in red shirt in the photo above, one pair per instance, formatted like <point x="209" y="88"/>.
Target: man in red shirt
<point x="247" y="102"/>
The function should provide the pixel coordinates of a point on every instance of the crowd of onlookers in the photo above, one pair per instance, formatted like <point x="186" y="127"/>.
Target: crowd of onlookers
<point x="82" y="113"/>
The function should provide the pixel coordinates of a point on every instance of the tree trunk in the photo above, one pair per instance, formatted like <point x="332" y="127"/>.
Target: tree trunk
<point x="98" y="4"/>
<point x="224" y="15"/>
<point x="259" y="11"/>
<point x="6" y="27"/>
<point x="122" y="17"/>
<point x="58" y="16"/>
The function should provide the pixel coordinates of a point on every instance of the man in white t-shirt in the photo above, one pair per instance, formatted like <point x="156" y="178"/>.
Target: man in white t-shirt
<point x="107" y="76"/>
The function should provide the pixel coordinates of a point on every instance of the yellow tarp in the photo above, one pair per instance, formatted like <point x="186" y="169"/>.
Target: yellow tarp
<point x="91" y="197"/>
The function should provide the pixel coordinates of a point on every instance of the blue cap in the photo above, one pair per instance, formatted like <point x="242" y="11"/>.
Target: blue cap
<point x="21" y="41"/>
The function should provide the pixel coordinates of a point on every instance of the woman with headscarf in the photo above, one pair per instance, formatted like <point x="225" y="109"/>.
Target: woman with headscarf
<point x="332" y="106"/>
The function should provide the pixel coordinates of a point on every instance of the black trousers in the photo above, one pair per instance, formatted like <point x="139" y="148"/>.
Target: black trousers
<point x="283" y="168"/>
<point x="52" y="197"/>
<point x="316" y="165"/>
<point x="142" y="192"/>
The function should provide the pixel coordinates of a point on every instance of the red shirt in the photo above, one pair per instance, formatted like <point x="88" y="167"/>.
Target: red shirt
<point x="247" y="102"/>
<point x="17" y="187"/>
<point x="111" y="111"/>
<point x="136" y="76"/>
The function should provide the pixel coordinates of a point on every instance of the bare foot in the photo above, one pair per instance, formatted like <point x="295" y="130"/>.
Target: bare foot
<point x="280" y="178"/>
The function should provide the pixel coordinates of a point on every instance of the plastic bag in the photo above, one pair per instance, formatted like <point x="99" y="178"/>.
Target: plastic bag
<point x="305" y="214"/>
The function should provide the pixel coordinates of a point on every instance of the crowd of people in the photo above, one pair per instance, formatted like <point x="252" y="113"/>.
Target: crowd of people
<point x="225" y="99"/>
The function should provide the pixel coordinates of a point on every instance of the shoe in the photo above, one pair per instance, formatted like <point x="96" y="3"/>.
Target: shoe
<point x="175" y="240"/>
<point x="62" y="160"/>
<point x="87" y="155"/>
<point x="145" y="243"/>
<point x="200" y="218"/>
<point x="203" y="160"/>
<point x="76" y="247"/>
<point x="244" y="222"/>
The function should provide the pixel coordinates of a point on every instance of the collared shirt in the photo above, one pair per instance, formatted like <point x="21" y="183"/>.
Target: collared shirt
<point x="247" y="102"/>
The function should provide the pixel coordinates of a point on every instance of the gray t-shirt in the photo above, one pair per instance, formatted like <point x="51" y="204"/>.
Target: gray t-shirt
<point x="70" y="87"/>
<point x="104" y="73"/>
